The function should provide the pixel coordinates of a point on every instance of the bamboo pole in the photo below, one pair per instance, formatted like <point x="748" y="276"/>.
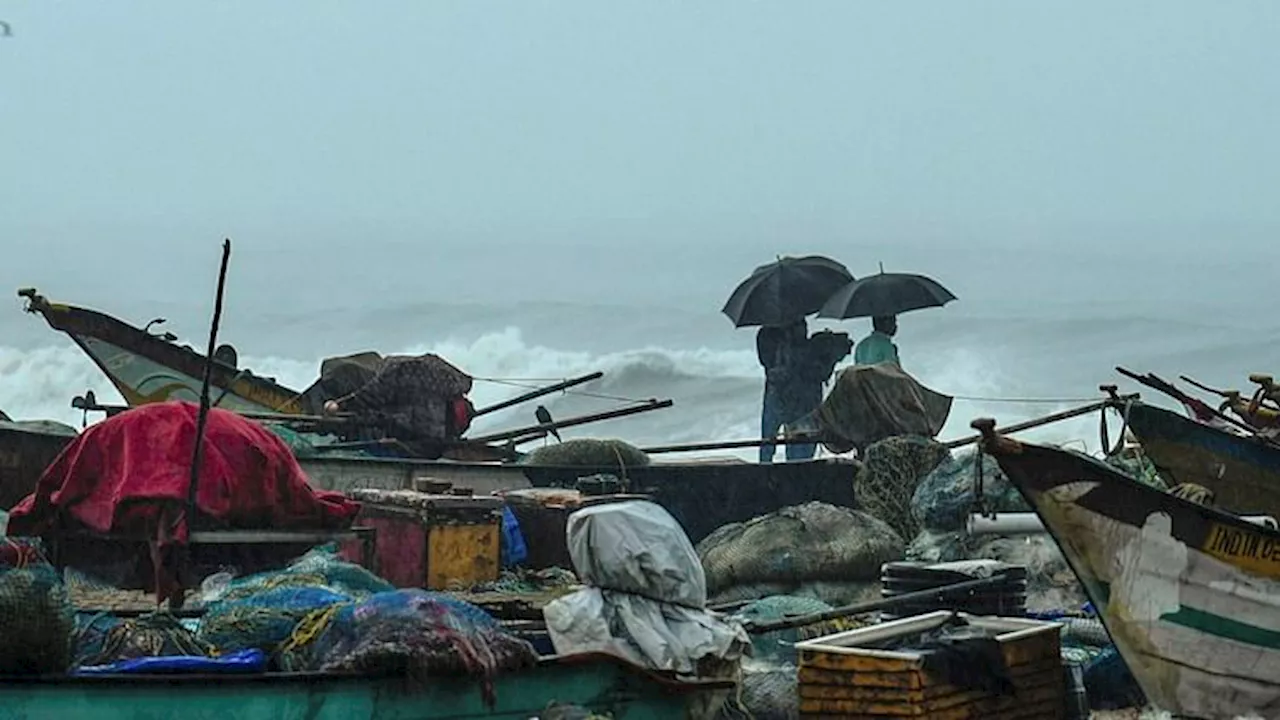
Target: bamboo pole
<point x="534" y="394"/>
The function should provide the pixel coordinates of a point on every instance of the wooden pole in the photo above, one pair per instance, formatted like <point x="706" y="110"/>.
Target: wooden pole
<point x="580" y="420"/>
<point x="884" y="603"/>
<point x="729" y="444"/>
<point x="534" y="394"/>
<point x="203" y="417"/>
<point x="1037" y="422"/>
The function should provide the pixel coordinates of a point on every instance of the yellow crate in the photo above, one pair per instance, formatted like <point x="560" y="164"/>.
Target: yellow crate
<point x="840" y="676"/>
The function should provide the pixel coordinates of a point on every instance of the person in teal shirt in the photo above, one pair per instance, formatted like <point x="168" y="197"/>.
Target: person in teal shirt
<point x="878" y="347"/>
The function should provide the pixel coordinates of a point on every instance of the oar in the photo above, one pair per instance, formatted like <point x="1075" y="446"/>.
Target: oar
<point x="1157" y="383"/>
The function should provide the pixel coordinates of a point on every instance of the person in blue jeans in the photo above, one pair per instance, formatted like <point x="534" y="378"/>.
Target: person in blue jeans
<point x="791" y="390"/>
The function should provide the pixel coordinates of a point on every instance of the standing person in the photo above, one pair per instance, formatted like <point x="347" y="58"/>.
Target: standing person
<point x="782" y="352"/>
<point x="878" y="347"/>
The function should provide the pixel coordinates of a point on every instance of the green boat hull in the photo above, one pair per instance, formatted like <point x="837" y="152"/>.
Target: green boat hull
<point x="600" y="683"/>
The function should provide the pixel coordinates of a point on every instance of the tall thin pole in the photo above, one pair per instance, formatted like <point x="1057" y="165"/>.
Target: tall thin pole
<point x="198" y="454"/>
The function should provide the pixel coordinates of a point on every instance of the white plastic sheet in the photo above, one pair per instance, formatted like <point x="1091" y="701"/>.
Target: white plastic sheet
<point x="646" y="596"/>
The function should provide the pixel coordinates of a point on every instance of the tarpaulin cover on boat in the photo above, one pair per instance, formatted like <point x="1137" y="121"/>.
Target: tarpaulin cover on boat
<point x="872" y="402"/>
<point x="119" y="474"/>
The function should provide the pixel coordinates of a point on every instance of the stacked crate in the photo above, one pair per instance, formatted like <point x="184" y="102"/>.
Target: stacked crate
<point x="840" y="676"/>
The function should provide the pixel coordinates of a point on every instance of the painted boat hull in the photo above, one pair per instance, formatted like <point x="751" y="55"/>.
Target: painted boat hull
<point x="1243" y="473"/>
<point x="1189" y="594"/>
<point x="701" y="496"/>
<point x="597" y="682"/>
<point x="146" y="369"/>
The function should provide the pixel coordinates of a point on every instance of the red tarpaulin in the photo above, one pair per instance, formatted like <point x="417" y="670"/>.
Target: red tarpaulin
<point x="119" y="475"/>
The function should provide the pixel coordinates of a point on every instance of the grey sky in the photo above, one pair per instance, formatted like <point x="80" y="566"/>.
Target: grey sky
<point x="134" y="135"/>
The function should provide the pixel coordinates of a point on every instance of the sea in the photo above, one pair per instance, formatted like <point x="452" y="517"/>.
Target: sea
<point x="1035" y="330"/>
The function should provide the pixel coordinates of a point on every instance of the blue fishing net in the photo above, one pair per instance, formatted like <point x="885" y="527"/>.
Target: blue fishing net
<point x="415" y="633"/>
<point x="320" y="567"/>
<point x="264" y="620"/>
<point x="104" y="639"/>
<point x="36" y="616"/>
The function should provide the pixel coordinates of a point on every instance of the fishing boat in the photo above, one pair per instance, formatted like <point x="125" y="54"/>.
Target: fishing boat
<point x="701" y="494"/>
<point x="601" y="683"/>
<point x="1189" y="594"/>
<point x="1243" y="471"/>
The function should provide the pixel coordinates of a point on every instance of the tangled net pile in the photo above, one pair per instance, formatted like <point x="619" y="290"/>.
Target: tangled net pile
<point x="324" y="614"/>
<point x="36" y="616"/>
<point x="418" y="633"/>
<point x="103" y="639"/>
<point x="589" y="452"/>
<point x="816" y="549"/>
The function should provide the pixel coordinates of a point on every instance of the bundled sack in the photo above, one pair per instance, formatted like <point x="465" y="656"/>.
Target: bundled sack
<point x="647" y="595"/>
<point x="37" y="621"/>
<point x="797" y="545"/>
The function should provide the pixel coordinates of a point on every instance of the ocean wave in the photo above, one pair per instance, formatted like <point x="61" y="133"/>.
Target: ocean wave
<point x="716" y="392"/>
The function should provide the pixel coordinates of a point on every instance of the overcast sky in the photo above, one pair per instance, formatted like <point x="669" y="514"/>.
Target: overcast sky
<point x="134" y="135"/>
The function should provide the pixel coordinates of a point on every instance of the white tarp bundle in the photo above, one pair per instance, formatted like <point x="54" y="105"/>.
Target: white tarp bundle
<point x="646" y="597"/>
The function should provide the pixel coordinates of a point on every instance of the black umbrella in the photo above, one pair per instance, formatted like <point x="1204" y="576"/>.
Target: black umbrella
<point x="885" y="294"/>
<point x="784" y="291"/>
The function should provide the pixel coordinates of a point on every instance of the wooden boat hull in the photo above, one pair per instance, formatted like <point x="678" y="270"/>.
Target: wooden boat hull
<point x="701" y="496"/>
<point x="600" y="683"/>
<point x="1189" y="594"/>
<point x="1243" y="473"/>
<point x="145" y="368"/>
<point x="24" y="454"/>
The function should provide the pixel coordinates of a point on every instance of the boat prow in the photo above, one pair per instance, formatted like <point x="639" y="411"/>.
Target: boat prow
<point x="148" y="368"/>
<point x="1189" y="594"/>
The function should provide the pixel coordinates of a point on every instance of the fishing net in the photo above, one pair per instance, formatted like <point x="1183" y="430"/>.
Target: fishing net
<point x="767" y="691"/>
<point x="1050" y="582"/>
<point x="265" y="620"/>
<point x="103" y="639"/>
<point x="831" y="592"/>
<point x="891" y="471"/>
<point x="521" y="581"/>
<point x="1135" y="464"/>
<point x="320" y="567"/>
<point x="937" y="547"/>
<point x="588" y="452"/>
<point x="36" y="617"/>
<point x="944" y="499"/>
<point x="415" y="633"/>
<point x="799" y="544"/>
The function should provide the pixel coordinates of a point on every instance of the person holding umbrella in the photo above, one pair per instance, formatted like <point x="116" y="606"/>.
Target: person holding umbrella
<point x="883" y="297"/>
<point x="878" y="347"/>
<point x="777" y="297"/>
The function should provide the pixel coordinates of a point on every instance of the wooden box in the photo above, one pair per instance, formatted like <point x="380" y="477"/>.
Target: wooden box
<point x="840" y="677"/>
<point x="437" y="542"/>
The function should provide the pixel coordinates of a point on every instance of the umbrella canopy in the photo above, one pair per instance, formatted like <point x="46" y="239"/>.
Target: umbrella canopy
<point x="784" y="291"/>
<point x="885" y="294"/>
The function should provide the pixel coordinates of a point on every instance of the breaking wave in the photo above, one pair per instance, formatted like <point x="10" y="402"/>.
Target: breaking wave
<point x="716" y="392"/>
